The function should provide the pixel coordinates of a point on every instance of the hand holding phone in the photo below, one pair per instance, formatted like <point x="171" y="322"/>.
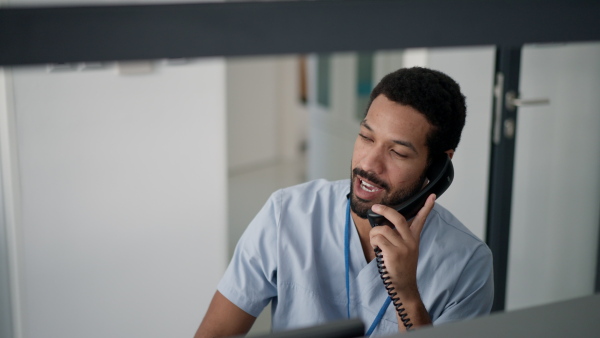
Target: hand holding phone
<point x="440" y="175"/>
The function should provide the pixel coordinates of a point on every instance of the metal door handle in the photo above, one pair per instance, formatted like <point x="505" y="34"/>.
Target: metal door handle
<point x="512" y="101"/>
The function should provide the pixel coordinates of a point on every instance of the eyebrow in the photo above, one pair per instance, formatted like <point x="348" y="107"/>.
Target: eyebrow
<point x="400" y="142"/>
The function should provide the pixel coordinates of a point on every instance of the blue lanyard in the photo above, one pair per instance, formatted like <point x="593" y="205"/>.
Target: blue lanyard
<point x="388" y="300"/>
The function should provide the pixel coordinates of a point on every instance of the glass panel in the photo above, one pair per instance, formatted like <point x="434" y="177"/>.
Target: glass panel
<point x="266" y="89"/>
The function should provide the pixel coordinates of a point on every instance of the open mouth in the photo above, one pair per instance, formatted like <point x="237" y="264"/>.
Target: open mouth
<point x="368" y="186"/>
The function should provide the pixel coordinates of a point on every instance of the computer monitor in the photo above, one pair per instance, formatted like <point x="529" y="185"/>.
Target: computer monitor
<point x="337" y="329"/>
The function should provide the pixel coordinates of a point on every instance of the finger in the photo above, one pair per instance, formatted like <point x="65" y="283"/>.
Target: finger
<point x="419" y="220"/>
<point x="394" y="217"/>
<point x="391" y="235"/>
<point x="401" y="224"/>
<point x="379" y="240"/>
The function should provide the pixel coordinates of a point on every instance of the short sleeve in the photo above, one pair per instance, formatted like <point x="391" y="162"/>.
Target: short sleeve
<point x="250" y="281"/>
<point x="473" y="294"/>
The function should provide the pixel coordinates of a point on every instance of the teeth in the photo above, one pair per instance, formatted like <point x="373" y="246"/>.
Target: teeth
<point x="367" y="184"/>
<point x="368" y="187"/>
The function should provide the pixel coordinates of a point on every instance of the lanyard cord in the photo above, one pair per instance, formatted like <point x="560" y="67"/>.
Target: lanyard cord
<point x="347" y="255"/>
<point x="388" y="300"/>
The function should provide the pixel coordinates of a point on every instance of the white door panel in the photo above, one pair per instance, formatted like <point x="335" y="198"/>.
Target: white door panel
<point x="556" y="190"/>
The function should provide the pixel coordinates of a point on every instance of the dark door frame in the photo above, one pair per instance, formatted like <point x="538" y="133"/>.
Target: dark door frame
<point x="504" y="124"/>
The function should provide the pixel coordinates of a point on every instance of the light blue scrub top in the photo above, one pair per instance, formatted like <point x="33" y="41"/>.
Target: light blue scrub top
<point x="292" y="254"/>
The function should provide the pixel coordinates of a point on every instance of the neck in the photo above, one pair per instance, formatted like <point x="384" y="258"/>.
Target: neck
<point x="364" y="227"/>
<point x="362" y="224"/>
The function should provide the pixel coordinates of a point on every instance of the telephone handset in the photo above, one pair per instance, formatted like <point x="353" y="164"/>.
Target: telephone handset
<point x="440" y="175"/>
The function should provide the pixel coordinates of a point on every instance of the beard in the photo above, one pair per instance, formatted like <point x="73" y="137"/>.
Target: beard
<point x="361" y="207"/>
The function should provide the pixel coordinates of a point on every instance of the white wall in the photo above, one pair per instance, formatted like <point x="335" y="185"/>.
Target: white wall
<point x="123" y="199"/>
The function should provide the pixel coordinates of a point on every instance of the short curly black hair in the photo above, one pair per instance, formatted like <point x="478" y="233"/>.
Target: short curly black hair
<point x="435" y="95"/>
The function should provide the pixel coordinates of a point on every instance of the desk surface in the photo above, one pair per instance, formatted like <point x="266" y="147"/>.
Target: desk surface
<point x="573" y="318"/>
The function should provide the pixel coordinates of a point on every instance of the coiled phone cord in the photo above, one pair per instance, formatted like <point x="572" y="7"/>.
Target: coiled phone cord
<point x="390" y="290"/>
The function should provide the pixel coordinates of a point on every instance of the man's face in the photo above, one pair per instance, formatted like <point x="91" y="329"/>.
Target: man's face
<point x="390" y="156"/>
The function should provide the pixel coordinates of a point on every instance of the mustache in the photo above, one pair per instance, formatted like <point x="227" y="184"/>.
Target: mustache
<point x="371" y="177"/>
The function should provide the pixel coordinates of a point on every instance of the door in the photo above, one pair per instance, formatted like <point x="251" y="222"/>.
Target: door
<point x="556" y="188"/>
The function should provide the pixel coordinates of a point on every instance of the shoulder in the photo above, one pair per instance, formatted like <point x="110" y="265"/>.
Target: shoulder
<point x="443" y="226"/>
<point x="320" y="186"/>
<point x="313" y="192"/>
<point x="310" y="208"/>
<point x="455" y="275"/>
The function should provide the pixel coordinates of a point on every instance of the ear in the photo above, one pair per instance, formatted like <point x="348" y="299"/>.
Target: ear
<point x="450" y="153"/>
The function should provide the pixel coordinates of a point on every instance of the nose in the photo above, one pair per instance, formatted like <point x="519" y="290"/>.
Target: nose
<point x="373" y="161"/>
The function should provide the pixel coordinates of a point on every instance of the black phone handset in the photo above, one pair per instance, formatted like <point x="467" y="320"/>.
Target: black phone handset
<point x="440" y="175"/>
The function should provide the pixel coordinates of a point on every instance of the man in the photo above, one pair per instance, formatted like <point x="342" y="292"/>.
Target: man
<point x="309" y="251"/>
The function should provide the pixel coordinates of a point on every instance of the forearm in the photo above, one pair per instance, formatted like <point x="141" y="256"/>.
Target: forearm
<point x="399" y="247"/>
<point x="416" y="313"/>
<point x="224" y="319"/>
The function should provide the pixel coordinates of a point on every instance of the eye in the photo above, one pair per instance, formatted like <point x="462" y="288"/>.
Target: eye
<point x="365" y="138"/>
<point x="397" y="154"/>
